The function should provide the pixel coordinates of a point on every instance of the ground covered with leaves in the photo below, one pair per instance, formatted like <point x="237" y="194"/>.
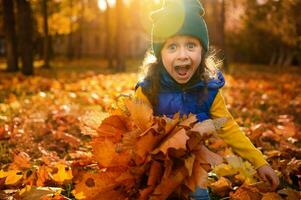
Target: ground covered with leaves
<point x="52" y="139"/>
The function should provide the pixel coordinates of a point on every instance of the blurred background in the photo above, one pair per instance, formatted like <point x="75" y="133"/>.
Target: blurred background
<point x="113" y="35"/>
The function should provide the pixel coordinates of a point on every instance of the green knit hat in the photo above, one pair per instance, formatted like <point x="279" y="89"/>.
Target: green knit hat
<point x="178" y="17"/>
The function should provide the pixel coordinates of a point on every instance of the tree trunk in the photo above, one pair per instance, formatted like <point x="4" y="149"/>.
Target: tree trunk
<point x="46" y="34"/>
<point x="288" y="58"/>
<point x="108" y="45"/>
<point x="80" y="31"/>
<point x="25" y="29"/>
<point x="223" y="46"/>
<point x="273" y="58"/>
<point x="10" y="35"/>
<point x="281" y="57"/>
<point x="70" y="50"/>
<point x="120" y="65"/>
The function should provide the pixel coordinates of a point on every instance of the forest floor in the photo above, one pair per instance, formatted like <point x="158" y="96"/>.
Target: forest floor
<point x="42" y="135"/>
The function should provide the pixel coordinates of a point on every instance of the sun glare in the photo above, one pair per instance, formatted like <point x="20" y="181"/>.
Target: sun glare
<point x="102" y="5"/>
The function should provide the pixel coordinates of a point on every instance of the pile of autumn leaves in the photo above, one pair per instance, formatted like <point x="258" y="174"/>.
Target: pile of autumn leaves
<point x="146" y="157"/>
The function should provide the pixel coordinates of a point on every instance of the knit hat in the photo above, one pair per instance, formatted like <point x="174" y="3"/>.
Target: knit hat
<point x="178" y="17"/>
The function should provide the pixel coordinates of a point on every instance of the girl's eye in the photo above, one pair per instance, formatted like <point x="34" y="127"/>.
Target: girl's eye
<point x="191" y="45"/>
<point x="172" y="47"/>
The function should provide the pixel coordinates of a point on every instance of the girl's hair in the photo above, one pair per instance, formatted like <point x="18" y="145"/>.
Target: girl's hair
<point x="151" y="67"/>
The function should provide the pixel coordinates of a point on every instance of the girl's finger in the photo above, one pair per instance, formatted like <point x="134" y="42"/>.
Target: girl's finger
<point x="273" y="180"/>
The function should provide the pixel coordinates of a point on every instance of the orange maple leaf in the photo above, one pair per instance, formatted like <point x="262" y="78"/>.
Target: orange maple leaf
<point x="141" y="113"/>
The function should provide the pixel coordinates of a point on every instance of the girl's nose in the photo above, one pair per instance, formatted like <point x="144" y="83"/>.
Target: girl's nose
<point x="182" y="54"/>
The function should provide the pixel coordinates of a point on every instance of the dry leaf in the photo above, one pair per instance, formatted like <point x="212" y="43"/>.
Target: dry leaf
<point x="64" y="173"/>
<point x="271" y="196"/>
<point x="12" y="177"/>
<point x="141" y="113"/>
<point x="246" y="192"/>
<point x="176" y="140"/>
<point x="221" y="187"/>
<point x="21" y="161"/>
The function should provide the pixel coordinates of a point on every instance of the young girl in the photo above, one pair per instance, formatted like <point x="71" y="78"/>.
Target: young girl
<point x="181" y="79"/>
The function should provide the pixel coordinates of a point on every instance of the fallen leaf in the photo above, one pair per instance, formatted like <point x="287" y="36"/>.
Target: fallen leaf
<point x="246" y="192"/>
<point x="221" y="187"/>
<point x="12" y="177"/>
<point x="64" y="173"/>
<point x="141" y="113"/>
<point x="271" y="196"/>
<point x="176" y="140"/>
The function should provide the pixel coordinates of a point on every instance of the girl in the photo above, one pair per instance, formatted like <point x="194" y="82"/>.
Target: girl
<point x="181" y="80"/>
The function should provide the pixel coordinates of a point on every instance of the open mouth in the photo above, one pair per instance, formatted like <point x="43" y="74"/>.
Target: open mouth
<point x="182" y="70"/>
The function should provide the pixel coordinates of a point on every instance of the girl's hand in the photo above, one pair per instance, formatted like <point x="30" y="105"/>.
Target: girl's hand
<point x="266" y="173"/>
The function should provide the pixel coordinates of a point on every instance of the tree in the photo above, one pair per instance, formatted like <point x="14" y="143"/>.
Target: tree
<point x="215" y="18"/>
<point x="120" y="57"/>
<point x="46" y="53"/>
<point x="109" y="53"/>
<point x="10" y="35"/>
<point x="223" y="22"/>
<point x="278" y="21"/>
<point x="25" y="30"/>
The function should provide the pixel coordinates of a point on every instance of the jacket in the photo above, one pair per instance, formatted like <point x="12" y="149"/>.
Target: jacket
<point x="173" y="98"/>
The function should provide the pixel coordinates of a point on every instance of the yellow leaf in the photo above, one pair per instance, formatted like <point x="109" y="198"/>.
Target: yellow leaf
<point x="78" y="195"/>
<point x="25" y="189"/>
<point x="224" y="170"/>
<point x="96" y="185"/>
<point x="12" y="176"/>
<point x="64" y="173"/>
<point x="244" y="170"/>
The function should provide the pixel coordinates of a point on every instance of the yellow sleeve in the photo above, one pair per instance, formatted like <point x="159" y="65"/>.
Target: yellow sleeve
<point x="141" y="97"/>
<point x="234" y="136"/>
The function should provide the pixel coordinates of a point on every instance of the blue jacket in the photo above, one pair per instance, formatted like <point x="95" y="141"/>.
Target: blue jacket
<point x="174" y="97"/>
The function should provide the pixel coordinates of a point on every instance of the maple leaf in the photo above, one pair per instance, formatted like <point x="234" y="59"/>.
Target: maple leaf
<point x="145" y="144"/>
<point x="42" y="175"/>
<point x="141" y="113"/>
<point x="169" y="184"/>
<point x="176" y="140"/>
<point x="221" y="187"/>
<point x="68" y="138"/>
<point x="101" y="185"/>
<point x="242" y="170"/>
<point x="39" y="193"/>
<point x="154" y="178"/>
<point x="246" y="192"/>
<point x="198" y="176"/>
<point x="64" y="173"/>
<point x="104" y="152"/>
<point x="91" y="120"/>
<point x="208" y="157"/>
<point x="290" y="194"/>
<point x="208" y="127"/>
<point x="113" y="127"/>
<point x="188" y="122"/>
<point x="271" y="196"/>
<point x="21" y="161"/>
<point x="12" y="177"/>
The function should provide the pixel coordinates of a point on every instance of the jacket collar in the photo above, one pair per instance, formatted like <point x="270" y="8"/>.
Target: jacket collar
<point x="168" y="83"/>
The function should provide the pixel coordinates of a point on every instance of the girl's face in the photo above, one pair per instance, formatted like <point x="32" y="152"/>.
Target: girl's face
<point x="181" y="56"/>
